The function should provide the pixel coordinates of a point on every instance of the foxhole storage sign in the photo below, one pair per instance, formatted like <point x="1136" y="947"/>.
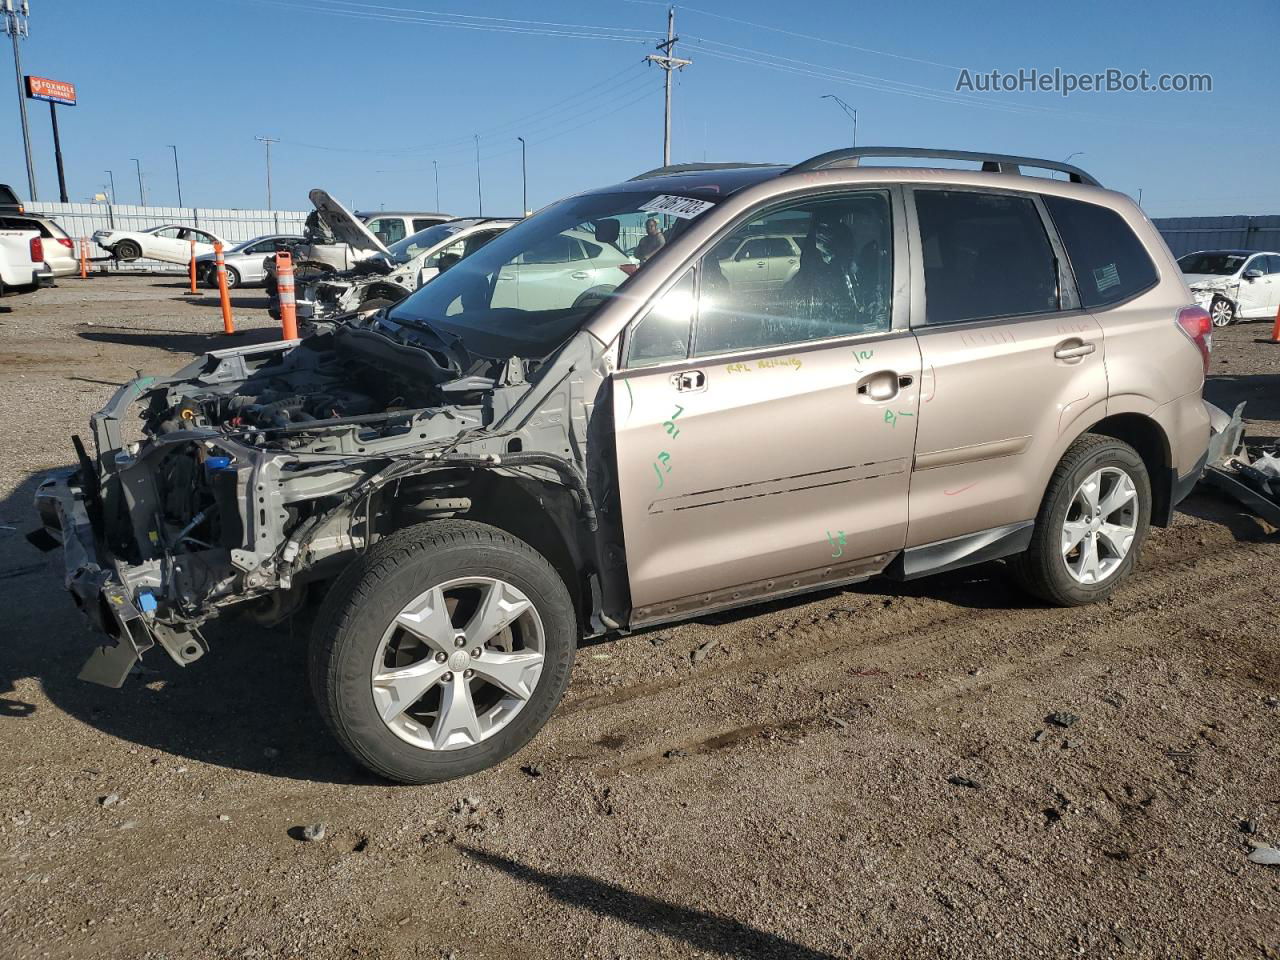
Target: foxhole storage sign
<point x="54" y="91"/>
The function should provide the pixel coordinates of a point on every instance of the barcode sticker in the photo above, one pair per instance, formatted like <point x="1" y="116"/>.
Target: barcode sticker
<point x="683" y="207"/>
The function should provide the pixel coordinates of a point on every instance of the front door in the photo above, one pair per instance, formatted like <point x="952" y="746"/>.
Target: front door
<point x="1008" y="365"/>
<point x="764" y="436"/>
<point x="1257" y="295"/>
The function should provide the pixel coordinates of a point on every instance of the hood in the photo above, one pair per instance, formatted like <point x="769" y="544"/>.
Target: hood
<point x="1208" y="281"/>
<point x="345" y="227"/>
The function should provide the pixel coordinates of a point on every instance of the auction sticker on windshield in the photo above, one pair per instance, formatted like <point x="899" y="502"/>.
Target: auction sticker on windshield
<point x="683" y="207"/>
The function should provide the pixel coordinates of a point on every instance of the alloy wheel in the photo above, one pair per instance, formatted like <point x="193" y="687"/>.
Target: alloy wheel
<point x="1100" y="525"/>
<point x="458" y="663"/>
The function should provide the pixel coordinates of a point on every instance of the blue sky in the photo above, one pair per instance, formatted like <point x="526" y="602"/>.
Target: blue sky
<point x="365" y="96"/>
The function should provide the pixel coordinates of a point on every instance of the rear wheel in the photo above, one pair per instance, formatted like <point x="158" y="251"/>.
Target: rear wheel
<point x="443" y="651"/>
<point x="1091" y="525"/>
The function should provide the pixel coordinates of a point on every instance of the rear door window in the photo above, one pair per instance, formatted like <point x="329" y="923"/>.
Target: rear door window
<point x="1109" y="261"/>
<point x="986" y="255"/>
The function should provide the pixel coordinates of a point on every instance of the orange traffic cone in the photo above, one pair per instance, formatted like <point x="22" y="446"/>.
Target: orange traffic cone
<point x="228" y="324"/>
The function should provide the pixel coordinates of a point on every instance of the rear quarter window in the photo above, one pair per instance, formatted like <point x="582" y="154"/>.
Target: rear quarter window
<point x="1109" y="261"/>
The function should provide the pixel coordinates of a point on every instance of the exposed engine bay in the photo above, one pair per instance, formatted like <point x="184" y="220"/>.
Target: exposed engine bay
<point x="266" y="468"/>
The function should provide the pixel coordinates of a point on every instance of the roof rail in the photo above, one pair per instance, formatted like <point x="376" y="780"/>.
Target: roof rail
<point x="677" y="168"/>
<point x="991" y="162"/>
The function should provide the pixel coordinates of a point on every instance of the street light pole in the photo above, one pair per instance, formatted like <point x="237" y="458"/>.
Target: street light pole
<point x="268" y="141"/>
<point x="142" y="197"/>
<point x="435" y="166"/>
<point x="524" y="177"/>
<point x="479" y="191"/>
<point x="176" y="175"/>
<point x="112" y="177"/>
<point x="849" y="111"/>
<point x="15" y="24"/>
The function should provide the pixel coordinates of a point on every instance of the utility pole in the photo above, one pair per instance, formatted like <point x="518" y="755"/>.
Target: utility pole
<point x="435" y="166"/>
<point x="849" y="111"/>
<point x="112" y="177"/>
<point x="15" y="24"/>
<point x="668" y="61"/>
<point x="142" y="197"/>
<point x="268" y="141"/>
<point x="524" y="179"/>
<point x="176" y="175"/>
<point x="479" y="191"/>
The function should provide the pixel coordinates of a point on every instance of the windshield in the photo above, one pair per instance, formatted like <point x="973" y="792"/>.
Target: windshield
<point x="526" y="291"/>
<point x="1223" y="264"/>
<point x="402" y="251"/>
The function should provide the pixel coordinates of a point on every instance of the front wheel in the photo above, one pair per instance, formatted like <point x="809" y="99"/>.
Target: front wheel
<point x="443" y="651"/>
<point x="127" y="250"/>
<point x="1091" y="525"/>
<point x="233" y="278"/>
<point x="1222" y="311"/>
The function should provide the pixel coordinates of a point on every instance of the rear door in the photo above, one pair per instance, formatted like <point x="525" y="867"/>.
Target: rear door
<point x="1010" y="361"/>
<point x="764" y="437"/>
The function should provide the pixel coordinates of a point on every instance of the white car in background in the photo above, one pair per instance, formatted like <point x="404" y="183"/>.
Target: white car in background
<point x="169" y="243"/>
<point x="568" y="270"/>
<point x="1234" y="284"/>
<point x="384" y="279"/>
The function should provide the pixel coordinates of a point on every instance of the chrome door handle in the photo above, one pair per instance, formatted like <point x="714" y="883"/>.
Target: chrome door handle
<point x="580" y="275"/>
<point x="1074" y="350"/>
<point x="689" y="380"/>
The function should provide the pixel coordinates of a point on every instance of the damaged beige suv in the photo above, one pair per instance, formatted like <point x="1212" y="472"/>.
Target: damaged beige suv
<point x="822" y="373"/>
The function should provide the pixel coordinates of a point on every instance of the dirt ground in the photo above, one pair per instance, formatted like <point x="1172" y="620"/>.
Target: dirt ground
<point x="865" y="772"/>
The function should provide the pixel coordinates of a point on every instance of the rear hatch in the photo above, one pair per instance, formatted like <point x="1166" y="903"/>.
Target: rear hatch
<point x="344" y="226"/>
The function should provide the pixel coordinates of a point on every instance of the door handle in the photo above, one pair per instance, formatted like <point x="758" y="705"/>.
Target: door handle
<point x="1074" y="350"/>
<point x="760" y="263"/>
<point x="880" y="386"/>
<point x="579" y="275"/>
<point x="689" y="381"/>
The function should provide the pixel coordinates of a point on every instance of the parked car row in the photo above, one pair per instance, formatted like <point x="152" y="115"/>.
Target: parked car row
<point x="708" y="386"/>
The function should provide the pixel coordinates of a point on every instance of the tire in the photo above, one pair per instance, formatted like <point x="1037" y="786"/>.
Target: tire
<point x="1045" y="569"/>
<point x="233" y="278"/>
<point x="358" y="625"/>
<point x="127" y="250"/>
<point x="1222" y="311"/>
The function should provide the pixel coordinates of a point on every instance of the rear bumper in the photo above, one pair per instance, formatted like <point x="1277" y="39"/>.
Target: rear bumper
<point x="94" y="582"/>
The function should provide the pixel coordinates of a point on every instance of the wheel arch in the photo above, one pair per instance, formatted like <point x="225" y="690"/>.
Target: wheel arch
<point x="1149" y="439"/>
<point x="542" y="513"/>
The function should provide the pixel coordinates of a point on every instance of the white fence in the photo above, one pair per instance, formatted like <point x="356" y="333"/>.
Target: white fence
<point x="82" y="219"/>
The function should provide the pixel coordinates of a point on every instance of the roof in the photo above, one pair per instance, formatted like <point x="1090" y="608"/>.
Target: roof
<point x="404" y="213"/>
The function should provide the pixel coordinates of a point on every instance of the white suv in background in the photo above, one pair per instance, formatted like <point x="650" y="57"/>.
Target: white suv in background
<point x="1234" y="284"/>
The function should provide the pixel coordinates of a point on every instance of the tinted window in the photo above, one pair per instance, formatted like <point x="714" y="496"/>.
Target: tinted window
<point x="779" y="247"/>
<point x="1257" y="263"/>
<point x="985" y="255"/>
<point x="1273" y="263"/>
<point x="423" y="224"/>
<point x="1109" y="262"/>
<point x="558" y="249"/>
<point x="388" y="229"/>
<point x="840" y="285"/>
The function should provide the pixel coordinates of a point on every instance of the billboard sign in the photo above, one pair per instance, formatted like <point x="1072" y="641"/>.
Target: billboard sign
<point x="55" y="91"/>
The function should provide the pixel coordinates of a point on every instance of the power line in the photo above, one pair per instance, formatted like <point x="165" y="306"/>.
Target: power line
<point x="620" y="84"/>
<point x="481" y="18"/>
<point x="807" y="36"/>
<point x="585" y="32"/>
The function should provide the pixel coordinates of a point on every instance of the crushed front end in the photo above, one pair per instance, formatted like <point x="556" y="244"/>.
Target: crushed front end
<point x="259" y="470"/>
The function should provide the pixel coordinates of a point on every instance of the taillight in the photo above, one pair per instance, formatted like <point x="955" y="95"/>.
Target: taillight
<point x="1196" y="323"/>
<point x="66" y="242"/>
<point x="37" y="250"/>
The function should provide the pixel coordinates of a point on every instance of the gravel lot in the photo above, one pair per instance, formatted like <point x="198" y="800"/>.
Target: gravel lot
<point x="866" y="772"/>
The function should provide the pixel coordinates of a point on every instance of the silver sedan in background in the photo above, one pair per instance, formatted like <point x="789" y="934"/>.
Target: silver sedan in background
<point x="245" y="260"/>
